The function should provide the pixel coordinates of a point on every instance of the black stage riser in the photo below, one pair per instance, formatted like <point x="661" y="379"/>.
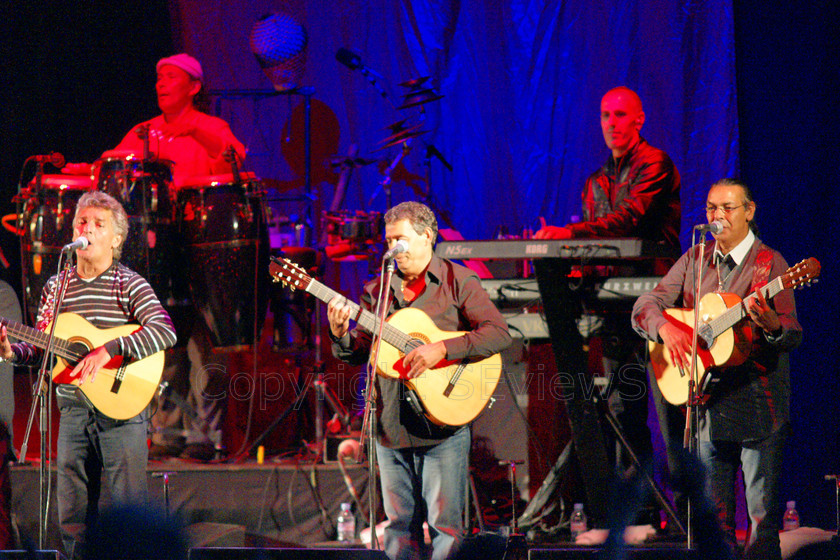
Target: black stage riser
<point x="285" y="554"/>
<point x="633" y="553"/>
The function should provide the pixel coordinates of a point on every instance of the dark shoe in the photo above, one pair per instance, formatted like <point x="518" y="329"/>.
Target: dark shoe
<point x="199" y="452"/>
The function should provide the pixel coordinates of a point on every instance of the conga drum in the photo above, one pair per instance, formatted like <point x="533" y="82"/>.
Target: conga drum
<point x="222" y="225"/>
<point x="144" y="188"/>
<point x="46" y="224"/>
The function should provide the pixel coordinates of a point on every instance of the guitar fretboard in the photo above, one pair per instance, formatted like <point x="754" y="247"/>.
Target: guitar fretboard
<point x="366" y="319"/>
<point x="38" y="338"/>
<point x="731" y="316"/>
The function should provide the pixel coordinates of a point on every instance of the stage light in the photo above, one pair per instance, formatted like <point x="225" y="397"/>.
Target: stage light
<point x="279" y="43"/>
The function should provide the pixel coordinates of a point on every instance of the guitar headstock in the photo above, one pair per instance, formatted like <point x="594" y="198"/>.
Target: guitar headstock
<point x="801" y="274"/>
<point x="290" y="274"/>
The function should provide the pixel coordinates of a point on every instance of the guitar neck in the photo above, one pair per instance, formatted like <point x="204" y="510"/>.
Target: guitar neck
<point x="38" y="338"/>
<point x="731" y="316"/>
<point x="363" y="317"/>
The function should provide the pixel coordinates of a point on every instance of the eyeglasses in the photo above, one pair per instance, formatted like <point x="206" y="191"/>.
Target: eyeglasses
<point x="726" y="209"/>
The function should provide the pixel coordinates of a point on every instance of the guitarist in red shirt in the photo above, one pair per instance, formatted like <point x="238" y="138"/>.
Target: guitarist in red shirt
<point x="745" y="421"/>
<point x="423" y="465"/>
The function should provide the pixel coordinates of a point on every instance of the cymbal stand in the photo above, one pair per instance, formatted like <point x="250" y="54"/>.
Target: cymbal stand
<point x="42" y="399"/>
<point x="386" y="182"/>
<point x="692" y="418"/>
<point x="430" y="151"/>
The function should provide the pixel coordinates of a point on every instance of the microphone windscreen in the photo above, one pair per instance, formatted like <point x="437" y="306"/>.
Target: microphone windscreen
<point x="348" y="58"/>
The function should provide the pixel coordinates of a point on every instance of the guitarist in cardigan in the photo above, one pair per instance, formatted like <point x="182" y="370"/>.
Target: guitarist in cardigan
<point x="746" y="420"/>
<point x="422" y="466"/>
<point x="106" y="294"/>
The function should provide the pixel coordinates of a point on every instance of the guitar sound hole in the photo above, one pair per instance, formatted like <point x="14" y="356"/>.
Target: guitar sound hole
<point x="80" y="349"/>
<point x="412" y="344"/>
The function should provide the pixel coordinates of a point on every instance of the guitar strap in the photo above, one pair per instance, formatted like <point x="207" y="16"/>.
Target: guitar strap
<point x="763" y="264"/>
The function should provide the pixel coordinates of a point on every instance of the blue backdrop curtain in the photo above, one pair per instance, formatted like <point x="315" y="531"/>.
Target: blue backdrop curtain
<point x="521" y="80"/>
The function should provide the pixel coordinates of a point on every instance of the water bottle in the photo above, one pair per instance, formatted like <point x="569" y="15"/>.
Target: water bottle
<point x="790" y="521"/>
<point x="578" y="521"/>
<point x="346" y="524"/>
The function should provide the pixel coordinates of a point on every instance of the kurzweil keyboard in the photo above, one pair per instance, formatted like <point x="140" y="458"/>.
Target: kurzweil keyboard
<point x="522" y="291"/>
<point x="610" y="248"/>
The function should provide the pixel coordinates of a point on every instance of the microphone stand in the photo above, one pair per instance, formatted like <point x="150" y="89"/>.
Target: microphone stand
<point x="369" y="421"/>
<point x="692" y="418"/>
<point x="42" y="399"/>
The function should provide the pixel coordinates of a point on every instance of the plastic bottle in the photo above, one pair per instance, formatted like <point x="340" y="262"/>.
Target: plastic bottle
<point x="577" y="523"/>
<point x="790" y="521"/>
<point x="346" y="524"/>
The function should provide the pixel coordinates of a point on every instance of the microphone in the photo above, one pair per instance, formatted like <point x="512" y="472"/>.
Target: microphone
<point x="80" y="243"/>
<point x="400" y="247"/>
<point x="54" y="158"/>
<point x="714" y="227"/>
<point x="349" y="59"/>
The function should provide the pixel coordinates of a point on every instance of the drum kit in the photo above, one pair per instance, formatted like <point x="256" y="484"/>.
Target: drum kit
<point x="204" y="244"/>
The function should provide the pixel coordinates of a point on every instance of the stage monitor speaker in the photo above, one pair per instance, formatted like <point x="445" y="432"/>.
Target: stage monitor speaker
<point x="29" y="555"/>
<point x="285" y="554"/>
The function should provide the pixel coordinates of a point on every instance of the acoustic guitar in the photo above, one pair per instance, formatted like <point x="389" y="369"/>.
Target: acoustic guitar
<point x="452" y="393"/>
<point x="724" y="340"/>
<point x="121" y="388"/>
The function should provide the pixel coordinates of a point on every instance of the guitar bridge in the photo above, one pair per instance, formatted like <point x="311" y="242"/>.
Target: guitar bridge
<point x="454" y="379"/>
<point x="118" y="379"/>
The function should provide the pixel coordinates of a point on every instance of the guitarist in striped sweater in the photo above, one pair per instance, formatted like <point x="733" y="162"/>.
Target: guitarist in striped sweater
<point x="106" y="294"/>
<point x="746" y="420"/>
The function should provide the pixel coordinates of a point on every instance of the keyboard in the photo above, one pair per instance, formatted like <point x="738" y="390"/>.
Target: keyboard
<point x="523" y="291"/>
<point x="596" y="249"/>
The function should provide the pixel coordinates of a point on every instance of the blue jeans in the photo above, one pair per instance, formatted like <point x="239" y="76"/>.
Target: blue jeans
<point x="761" y="463"/>
<point x="88" y="445"/>
<point x="425" y="484"/>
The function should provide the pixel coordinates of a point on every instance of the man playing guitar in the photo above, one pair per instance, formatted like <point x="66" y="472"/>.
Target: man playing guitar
<point x="422" y="465"/>
<point x="745" y="421"/>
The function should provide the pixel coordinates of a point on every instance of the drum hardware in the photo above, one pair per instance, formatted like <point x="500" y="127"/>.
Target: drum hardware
<point x="246" y="212"/>
<point x="230" y="157"/>
<point x="351" y="234"/>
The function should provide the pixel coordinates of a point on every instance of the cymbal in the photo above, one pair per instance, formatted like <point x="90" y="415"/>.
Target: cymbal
<point x="401" y="136"/>
<point x="395" y="127"/>
<point x="398" y="130"/>
<point x="415" y="82"/>
<point x="419" y="98"/>
<point x="339" y="161"/>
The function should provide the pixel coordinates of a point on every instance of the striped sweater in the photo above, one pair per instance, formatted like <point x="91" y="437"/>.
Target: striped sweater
<point x="116" y="297"/>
